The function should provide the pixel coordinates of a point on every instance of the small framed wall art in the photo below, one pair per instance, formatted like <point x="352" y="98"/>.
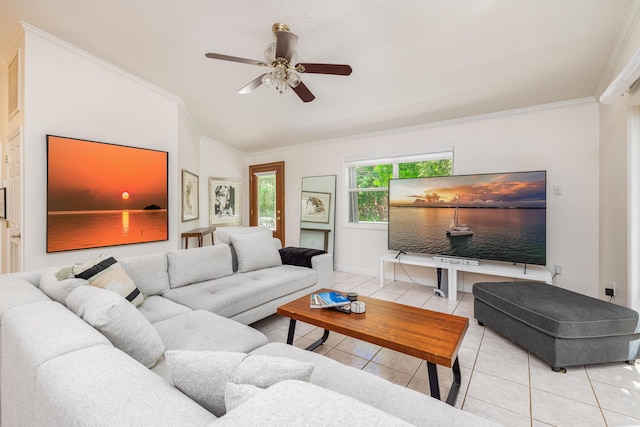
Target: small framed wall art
<point x="315" y="206"/>
<point x="190" y="196"/>
<point x="224" y="201"/>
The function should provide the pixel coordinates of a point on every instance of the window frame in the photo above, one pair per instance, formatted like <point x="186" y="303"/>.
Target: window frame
<point x="350" y="162"/>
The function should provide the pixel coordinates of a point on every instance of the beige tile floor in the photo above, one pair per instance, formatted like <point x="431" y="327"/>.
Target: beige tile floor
<point x="500" y="381"/>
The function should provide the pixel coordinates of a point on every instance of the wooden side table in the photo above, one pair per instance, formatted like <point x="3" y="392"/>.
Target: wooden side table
<point x="199" y="233"/>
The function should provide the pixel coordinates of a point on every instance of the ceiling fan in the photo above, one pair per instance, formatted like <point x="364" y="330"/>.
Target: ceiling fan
<point x="279" y="57"/>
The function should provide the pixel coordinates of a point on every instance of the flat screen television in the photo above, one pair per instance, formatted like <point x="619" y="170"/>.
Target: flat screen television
<point x="497" y="216"/>
<point x="101" y="194"/>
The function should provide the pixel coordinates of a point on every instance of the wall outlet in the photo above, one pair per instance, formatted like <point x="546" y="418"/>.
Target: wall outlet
<point x="557" y="269"/>
<point x="609" y="292"/>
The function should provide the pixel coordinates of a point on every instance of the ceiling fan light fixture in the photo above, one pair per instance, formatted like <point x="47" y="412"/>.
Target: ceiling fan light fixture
<point x="281" y="85"/>
<point x="268" y="80"/>
<point x="294" y="79"/>
<point x="270" y="53"/>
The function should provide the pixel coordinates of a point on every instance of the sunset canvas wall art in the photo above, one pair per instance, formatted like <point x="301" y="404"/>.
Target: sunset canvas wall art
<point x="101" y="194"/>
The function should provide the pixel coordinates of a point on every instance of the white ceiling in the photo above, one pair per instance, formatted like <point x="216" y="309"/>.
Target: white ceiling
<point x="414" y="61"/>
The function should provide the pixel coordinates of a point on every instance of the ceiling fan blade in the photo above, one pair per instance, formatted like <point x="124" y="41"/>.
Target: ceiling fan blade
<point x="303" y="92"/>
<point x="235" y="59"/>
<point x="249" y="87"/>
<point x="286" y="44"/>
<point x="338" y="69"/>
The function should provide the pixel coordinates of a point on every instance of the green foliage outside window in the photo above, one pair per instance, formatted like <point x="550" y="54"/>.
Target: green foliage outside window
<point x="370" y="203"/>
<point x="267" y="201"/>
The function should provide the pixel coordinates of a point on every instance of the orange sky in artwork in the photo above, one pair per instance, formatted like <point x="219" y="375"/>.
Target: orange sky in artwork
<point x="85" y="175"/>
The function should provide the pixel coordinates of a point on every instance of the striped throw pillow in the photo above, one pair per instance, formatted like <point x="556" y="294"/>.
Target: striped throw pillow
<point x="107" y="273"/>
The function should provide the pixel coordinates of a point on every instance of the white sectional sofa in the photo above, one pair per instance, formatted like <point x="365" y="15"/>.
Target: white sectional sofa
<point x="76" y="354"/>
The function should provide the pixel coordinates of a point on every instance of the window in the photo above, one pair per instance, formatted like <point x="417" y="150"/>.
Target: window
<point x="368" y="181"/>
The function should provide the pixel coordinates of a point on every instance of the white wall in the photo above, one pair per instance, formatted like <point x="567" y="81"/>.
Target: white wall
<point x="617" y="264"/>
<point x="613" y="201"/>
<point x="221" y="161"/>
<point x="561" y="139"/>
<point x="188" y="159"/>
<point x="70" y="93"/>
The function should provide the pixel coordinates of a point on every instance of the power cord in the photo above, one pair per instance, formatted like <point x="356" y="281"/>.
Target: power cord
<point x="399" y="258"/>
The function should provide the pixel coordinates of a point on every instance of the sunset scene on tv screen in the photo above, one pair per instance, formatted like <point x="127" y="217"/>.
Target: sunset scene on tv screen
<point x="101" y="194"/>
<point x="522" y="189"/>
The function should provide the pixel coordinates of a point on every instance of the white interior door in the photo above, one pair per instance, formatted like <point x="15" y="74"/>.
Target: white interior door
<point x="14" y="201"/>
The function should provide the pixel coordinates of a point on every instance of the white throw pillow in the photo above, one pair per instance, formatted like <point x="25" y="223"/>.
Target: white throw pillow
<point x="203" y="375"/>
<point x="119" y="321"/>
<point x="223" y="234"/>
<point x="58" y="290"/>
<point x="199" y="264"/>
<point x="255" y="251"/>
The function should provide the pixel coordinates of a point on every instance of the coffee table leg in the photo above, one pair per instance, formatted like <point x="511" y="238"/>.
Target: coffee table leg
<point x="434" y="385"/>
<point x="319" y="342"/>
<point x="292" y="329"/>
<point x="455" y="386"/>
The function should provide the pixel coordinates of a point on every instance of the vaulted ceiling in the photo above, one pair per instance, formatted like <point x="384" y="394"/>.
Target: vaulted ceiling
<point x="414" y="61"/>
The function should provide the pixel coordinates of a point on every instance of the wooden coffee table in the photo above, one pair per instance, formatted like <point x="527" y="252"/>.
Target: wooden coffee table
<point x="429" y="335"/>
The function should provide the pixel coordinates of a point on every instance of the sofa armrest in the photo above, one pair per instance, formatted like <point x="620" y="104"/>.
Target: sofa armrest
<point x="323" y="264"/>
<point x="316" y="259"/>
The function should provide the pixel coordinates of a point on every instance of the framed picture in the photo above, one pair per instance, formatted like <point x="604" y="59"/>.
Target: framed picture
<point x="119" y="197"/>
<point x="190" y="196"/>
<point x="224" y="201"/>
<point x="315" y="207"/>
<point x="13" y="95"/>
<point x="3" y="203"/>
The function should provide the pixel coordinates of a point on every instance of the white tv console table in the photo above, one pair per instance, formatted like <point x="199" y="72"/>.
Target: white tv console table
<point x="532" y="272"/>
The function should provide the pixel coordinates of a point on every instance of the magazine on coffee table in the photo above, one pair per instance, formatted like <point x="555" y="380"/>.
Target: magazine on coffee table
<point x="328" y="299"/>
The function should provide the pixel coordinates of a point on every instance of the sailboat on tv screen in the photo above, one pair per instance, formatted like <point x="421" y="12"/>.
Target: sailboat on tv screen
<point x="456" y="229"/>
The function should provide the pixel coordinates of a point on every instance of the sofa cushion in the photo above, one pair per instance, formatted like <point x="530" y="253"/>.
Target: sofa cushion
<point x="156" y="308"/>
<point x="195" y="265"/>
<point x="59" y="290"/>
<point x="402" y="402"/>
<point x="295" y="403"/>
<point x="236" y="394"/>
<point x="105" y="272"/>
<point x="223" y="234"/>
<point x="200" y="330"/>
<point x="102" y="386"/>
<point x="202" y="375"/>
<point x="255" y="251"/>
<point x="33" y="334"/>
<point x="119" y="321"/>
<point x="235" y="294"/>
<point x="15" y="291"/>
<point x="149" y="272"/>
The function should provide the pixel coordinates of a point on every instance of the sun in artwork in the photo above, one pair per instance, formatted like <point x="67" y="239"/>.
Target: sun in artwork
<point x="125" y="195"/>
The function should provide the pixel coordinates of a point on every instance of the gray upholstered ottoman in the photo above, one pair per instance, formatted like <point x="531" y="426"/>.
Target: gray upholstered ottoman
<point x="561" y="327"/>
